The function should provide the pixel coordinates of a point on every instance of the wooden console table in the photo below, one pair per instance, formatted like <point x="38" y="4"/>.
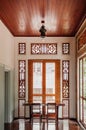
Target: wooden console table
<point x="28" y="104"/>
<point x="57" y="108"/>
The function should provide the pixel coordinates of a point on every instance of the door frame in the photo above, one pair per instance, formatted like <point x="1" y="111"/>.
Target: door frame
<point x="30" y="79"/>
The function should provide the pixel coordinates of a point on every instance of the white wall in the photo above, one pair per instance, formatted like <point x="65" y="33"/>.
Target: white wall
<point x="2" y="97"/>
<point x="7" y="61"/>
<point x="6" y="47"/>
<point x="71" y="57"/>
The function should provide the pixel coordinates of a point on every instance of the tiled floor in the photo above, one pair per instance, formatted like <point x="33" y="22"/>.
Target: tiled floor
<point x="22" y="124"/>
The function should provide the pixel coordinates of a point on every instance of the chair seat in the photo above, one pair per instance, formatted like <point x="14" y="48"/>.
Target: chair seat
<point x="51" y="111"/>
<point x="36" y="111"/>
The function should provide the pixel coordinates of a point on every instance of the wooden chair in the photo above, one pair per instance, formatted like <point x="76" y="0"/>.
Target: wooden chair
<point x="36" y="111"/>
<point x="51" y="111"/>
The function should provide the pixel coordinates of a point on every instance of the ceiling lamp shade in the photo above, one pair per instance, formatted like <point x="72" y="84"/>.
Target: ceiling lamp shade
<point x="42" y="30"/>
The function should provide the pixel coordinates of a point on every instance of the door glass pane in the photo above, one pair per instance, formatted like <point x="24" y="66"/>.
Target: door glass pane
<point x="37" y="78"/>
<point x="37" y="99"/>
<point x="36" y="126"/>
<point x="50" y="78"/>
<point x="50" y="99"/>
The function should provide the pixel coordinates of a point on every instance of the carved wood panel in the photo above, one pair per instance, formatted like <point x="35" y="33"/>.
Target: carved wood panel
<point x="43" y="48"/>
<point x="82" y="40"/>
<point x="65" y="79"/>
<point x="22" y="48"/>
<point x="22" y="72"/>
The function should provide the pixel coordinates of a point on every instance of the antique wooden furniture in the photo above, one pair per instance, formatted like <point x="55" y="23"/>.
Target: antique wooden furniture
<point x="36" y="111"/>
<point x="51" y="111"/>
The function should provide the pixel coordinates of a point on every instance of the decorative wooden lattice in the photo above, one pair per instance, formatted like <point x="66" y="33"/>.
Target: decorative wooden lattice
<point x="65" y="82"/>
<point x="22" y="71"/>
<point x="82" y="40"/>
<point x="44" y="48"/>
<point x="65" y="48"/>
<point x="65" y="108"/>
<point x="22" y="48"/>
<point x="21" y="109"/>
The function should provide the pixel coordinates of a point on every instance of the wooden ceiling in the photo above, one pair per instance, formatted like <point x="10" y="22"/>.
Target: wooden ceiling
<point x="62" y="17"/>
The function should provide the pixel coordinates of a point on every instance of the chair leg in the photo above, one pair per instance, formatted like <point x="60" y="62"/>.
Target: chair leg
<point x="40" y="119"/>
<point x="47" y="119"/>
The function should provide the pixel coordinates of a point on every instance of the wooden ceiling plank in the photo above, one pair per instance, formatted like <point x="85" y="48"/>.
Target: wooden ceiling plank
<point x="62" y="17"/>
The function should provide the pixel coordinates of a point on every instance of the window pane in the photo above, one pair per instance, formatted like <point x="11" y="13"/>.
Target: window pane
<point x="80" y="77"/>
<point x="81" y="109"/>
<point x="37" y="78"/>
<point x="82" y="81"/>
<point x="84" y="76"/>
<point x="50" y="78"/>
<point x="85" y="111"/>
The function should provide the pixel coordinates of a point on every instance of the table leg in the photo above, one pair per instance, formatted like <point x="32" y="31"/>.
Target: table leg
<point x="57" y="113"/>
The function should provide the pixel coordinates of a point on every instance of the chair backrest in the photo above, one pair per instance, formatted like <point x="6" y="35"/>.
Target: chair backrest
<point x="51" y="108"/>
<point x="36" y="108"/>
